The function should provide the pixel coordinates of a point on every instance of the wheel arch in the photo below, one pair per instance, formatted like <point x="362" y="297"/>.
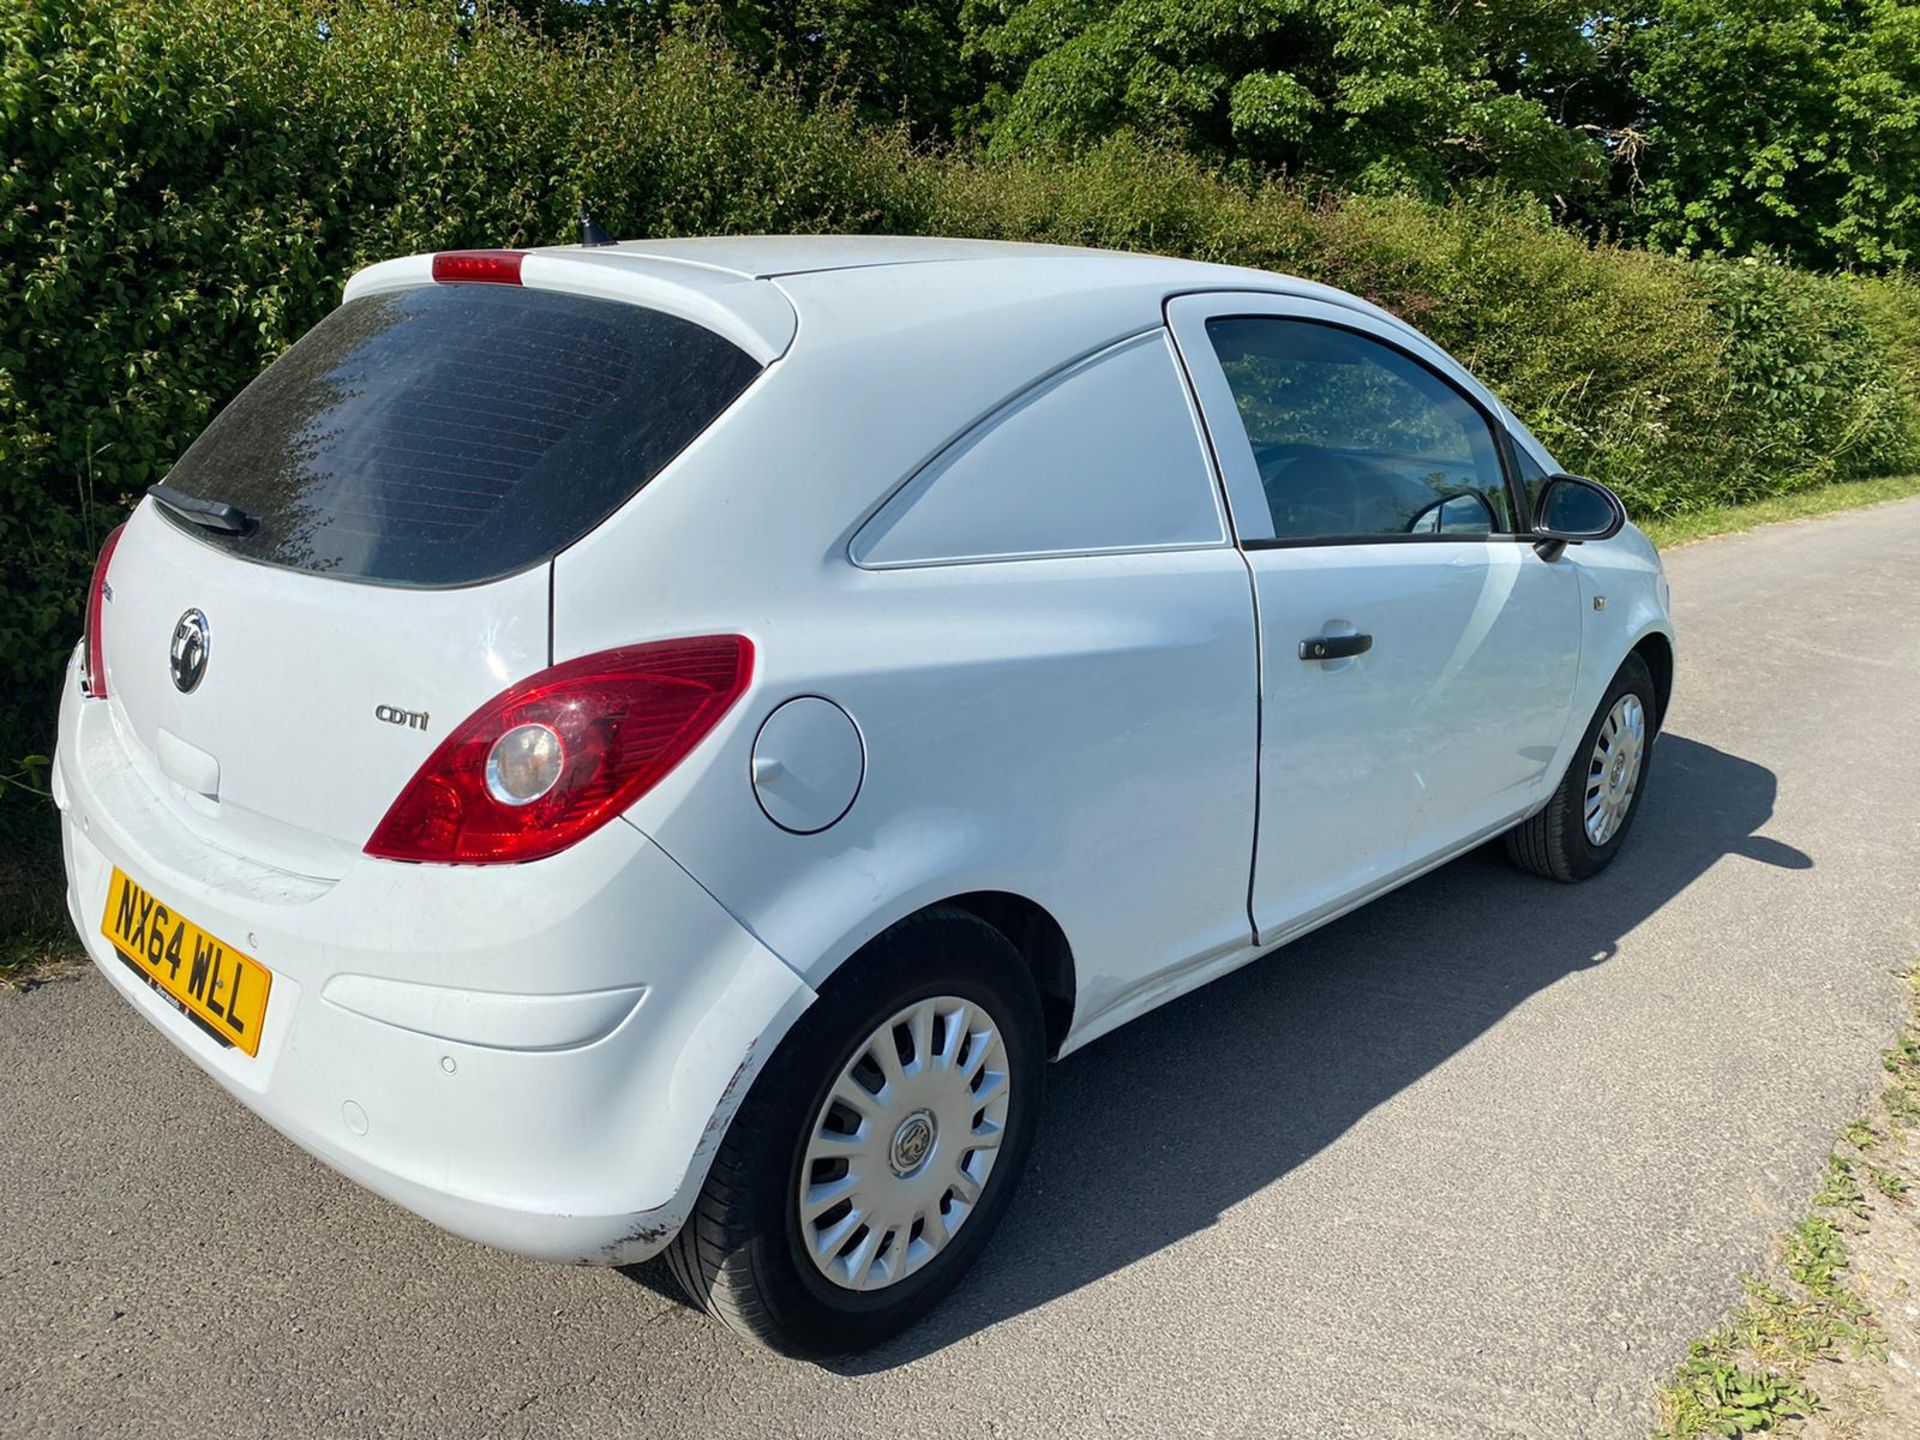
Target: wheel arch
<point x="1033" y="931"/>
<point x="1656" y="650"/>
<point x="1026" y="924"/>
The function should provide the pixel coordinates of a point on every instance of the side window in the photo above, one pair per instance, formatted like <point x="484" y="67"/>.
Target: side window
<point x="1532" y="477"/>
<point x="1105" y="456"/>
<point x="1355" y="439"/>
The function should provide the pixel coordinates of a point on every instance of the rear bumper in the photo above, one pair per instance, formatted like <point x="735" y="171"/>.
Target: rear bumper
<point x="539" y="1057"/>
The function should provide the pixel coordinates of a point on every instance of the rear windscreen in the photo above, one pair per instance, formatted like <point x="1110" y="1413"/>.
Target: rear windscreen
<point x="456" y="433"/>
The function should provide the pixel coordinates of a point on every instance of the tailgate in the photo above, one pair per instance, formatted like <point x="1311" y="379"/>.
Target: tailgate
<point x="316" y="701"/>
<point x="357" y="553"/>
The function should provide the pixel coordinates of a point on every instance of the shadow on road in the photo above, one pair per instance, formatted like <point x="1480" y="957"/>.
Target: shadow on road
<point x="1212" y="1098"/>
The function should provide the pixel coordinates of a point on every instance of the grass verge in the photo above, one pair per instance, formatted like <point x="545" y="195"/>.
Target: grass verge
<point x="1821" y="500"/>
<point x="1812" y="1311"/>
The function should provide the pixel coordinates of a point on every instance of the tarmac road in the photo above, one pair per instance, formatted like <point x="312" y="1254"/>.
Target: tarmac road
<point x="1475" y="1161"/>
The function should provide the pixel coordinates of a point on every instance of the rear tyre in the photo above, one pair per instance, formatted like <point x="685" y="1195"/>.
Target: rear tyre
<point x="876" y="1153"/>
<point x="1586" y="822"/>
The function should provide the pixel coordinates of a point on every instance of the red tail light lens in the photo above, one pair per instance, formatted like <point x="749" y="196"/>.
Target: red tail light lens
<point x="478" y="267"/>
<point x="93" y="673"/>
<point x="624" y="719"/>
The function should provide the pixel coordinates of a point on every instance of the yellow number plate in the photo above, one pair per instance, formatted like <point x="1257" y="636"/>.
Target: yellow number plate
<point x="207" y="979"/>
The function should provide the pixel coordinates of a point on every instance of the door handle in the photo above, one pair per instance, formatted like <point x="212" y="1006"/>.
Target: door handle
<point x="1335" y="647"/>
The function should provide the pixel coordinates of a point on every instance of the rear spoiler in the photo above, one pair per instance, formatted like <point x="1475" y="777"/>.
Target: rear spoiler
<point x="753" y="314"/>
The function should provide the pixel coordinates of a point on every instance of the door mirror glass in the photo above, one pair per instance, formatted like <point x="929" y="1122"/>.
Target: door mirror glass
<point x="1573" y="508"/>
<point x="1464" y="514"/>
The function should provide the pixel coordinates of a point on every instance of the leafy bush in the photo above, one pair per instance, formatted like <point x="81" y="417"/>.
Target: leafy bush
<point x="1682" y="384"/>
<point x="1816" y="394"/>
<point x="186" y="185"/>
<point x="1398" y="96"/>
<point x="1790" y="126"/>
<point x="1890" y="307"/>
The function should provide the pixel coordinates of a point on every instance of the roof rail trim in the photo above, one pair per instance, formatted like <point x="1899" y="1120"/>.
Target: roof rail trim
<point x="1294" y="288"/>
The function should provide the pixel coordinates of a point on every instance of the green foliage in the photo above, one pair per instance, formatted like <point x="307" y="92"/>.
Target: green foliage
<point x="892" y="59"/>
<point x="1730" y="127"/>
<point x="1697" y="524"/>
<point x="1813" y="380"/>
<point x="888" y="59"/>
<point x="1717" y="1398"/>
<point x="1748" y="1377"/>
<point x="1888" y="1182"/>
<point x="1902" y="1095"/>
<point x="1890" y="308"/>
<point x="1380" y="96"/>
<point x="187" y="185"/>
<point x="1681" y="385"/>
<point x="1860" y="1134"/>
<point x="1841" y="1189"/>
<point x="1751" y="1375"/>
<point x="1783" y="125"/>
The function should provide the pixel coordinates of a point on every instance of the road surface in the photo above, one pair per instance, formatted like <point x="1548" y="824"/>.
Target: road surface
<point x="1475" y="1161"/>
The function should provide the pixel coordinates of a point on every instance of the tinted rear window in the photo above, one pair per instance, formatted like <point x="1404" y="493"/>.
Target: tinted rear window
<point x="456" y="433"/>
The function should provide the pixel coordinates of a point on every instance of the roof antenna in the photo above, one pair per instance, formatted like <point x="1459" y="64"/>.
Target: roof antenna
<point x="590" y="232"/>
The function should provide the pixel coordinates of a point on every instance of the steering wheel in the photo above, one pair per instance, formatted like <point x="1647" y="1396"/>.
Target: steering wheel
<point x="1484" y="522"/>
<point x="1316" y="492"/>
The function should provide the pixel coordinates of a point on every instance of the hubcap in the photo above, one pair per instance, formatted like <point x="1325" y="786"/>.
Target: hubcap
<point x="899" y="1153"/>
<point x="1613" y="772"/>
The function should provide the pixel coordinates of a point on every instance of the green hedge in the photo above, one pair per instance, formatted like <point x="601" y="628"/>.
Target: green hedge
<point x="184" y="186"/>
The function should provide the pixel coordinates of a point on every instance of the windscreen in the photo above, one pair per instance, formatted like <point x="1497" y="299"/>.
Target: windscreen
<point x="451" y="434"/>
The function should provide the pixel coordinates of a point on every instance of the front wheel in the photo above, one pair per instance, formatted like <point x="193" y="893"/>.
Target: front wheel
<point x="873" y="1158"/>
<point x="1584" y="825"/>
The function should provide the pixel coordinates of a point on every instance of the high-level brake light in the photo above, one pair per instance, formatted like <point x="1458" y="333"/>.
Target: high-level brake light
<point x="478" y="267"/>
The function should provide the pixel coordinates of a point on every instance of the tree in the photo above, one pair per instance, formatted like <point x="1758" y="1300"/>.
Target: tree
<point x="891" y="59"/>
<point x="1790" y="125"/>
<point x="894" y="59"/>
<point x="1376" y="95"/>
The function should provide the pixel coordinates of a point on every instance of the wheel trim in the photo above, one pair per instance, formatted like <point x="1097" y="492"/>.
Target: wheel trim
<point x="1613" y="769"/>
<point x="900" y="1150"/>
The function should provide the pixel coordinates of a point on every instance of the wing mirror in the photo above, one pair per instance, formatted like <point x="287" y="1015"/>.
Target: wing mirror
<point x="1572" y="508"/>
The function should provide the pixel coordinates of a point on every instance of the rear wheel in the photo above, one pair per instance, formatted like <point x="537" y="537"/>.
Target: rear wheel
<point x="876" y="1153"/>
<point x="1585" y="823"/>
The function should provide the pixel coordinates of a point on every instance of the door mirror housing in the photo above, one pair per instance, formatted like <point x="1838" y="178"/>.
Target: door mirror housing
<point x="1573" y="508"/>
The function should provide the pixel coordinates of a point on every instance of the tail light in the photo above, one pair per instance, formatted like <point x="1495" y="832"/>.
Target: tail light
<point x="93" y="672"/>
<point x="620" y="721"/>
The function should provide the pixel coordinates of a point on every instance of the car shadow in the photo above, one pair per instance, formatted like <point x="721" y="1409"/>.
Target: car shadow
<point x="1432" y="966"/>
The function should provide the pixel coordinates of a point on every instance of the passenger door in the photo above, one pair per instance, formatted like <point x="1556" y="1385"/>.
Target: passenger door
<point x="1417" y="655"/>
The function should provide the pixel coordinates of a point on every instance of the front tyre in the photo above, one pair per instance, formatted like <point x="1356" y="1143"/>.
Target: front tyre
<point x="873" y="1158"/>
<point x="1584" y="825"/>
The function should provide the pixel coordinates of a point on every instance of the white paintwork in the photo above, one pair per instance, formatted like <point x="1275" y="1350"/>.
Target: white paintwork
<point x="762" y="257"/>
<point x="283" y="720"/>
<point x="187" y="766"/>
<point x="546" y="1054"/>
<point x="498" y="1020"/>
<point x="551" y="1134"/>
